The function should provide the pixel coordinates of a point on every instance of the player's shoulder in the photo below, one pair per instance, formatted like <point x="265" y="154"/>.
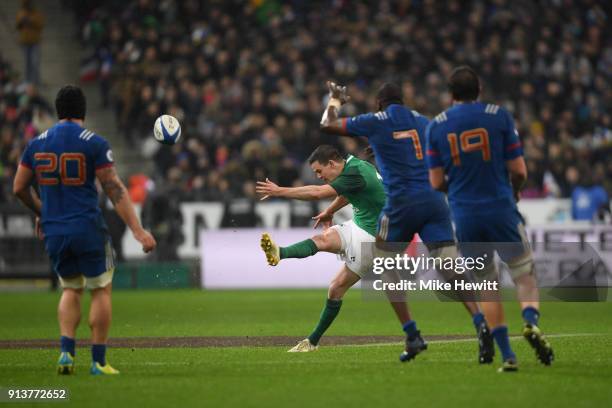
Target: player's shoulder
<point x="89" y="136"/>
<point x="35" y="141"/>
<point x="353" y="163"/>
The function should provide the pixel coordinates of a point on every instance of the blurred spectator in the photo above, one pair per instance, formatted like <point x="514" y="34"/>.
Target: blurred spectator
<point x="23" y="115"/>
<point x="589" y="199"/>
<point x="161" y="214"/>
<point x="116" y="226"/>
<point x="30" y="23"/>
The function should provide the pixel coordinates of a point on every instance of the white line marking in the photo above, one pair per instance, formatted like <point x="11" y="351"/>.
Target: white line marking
<point x="548" y="336"/>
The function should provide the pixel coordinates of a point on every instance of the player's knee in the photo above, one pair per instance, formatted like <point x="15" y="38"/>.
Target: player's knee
<point x="521" y="269"/>
<point x="446" y="252"/>
<point x="487" y="272"/>
<point x="321" y="242"/>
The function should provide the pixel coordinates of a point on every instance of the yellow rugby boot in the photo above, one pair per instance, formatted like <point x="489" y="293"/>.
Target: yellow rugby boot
<point x="270" y="249"/>
<point x="97" y="369"/>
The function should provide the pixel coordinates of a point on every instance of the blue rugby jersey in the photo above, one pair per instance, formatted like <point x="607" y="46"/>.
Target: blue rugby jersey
<point x="64" y="159"/>
<point x="472" y="142"/>
<point x="397" y="137"/>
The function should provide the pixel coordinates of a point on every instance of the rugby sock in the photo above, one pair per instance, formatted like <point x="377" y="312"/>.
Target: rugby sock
<point x="329" y="313"/>
<point x="531" y="315"/>
<point x="301" y="249"/>
<point x="98" y="353"/>
<point x="67" y="345"/>
<point x="410" y="328"/>
<point x="500" y="334"/>
<point x="478" y="318"/>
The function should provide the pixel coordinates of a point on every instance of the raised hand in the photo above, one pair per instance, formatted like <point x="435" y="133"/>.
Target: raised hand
<point x="266" y="189"/>
<point x="338" y="92"/>
<point x="324" y="219"/>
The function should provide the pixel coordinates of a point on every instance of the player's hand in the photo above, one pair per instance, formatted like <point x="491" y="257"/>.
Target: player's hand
<point x="325" y="219"/>
<point x="337" y="92"/>
<point x="267" y="189"/>
<point x="38" y="229"/>
<point x="146" y="239"/>
<point x="517" y="196"/>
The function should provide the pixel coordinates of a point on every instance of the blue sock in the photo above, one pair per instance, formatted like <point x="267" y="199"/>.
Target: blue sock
<point x="531" y="315"/>
<point x="478" y="318"/>
<point x="411" y="329"/>
<point x="67" y="345"/>
<point x="98" y="353"/>
<point x="500" y="334"/>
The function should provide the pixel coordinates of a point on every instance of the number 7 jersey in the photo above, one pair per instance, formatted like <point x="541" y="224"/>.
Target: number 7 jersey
<point x="64" y="160"/>
<point x="397" y="137"/>
<point x="472" y="142"/>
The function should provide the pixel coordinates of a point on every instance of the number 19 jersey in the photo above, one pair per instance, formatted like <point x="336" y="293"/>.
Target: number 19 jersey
<point x="64" y="160"/>
<point x="472" y="142"/>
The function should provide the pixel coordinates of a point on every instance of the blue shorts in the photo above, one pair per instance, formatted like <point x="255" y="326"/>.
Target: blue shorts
<point x="426" y="214"/>
<point x="503" y="232"/>
<point x="89" y="254"/>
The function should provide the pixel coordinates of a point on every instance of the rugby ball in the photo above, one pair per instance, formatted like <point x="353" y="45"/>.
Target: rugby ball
<point x="167" y="130"/>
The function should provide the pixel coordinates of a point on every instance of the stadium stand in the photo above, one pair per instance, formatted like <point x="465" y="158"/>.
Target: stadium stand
<point x="251" y="108"/>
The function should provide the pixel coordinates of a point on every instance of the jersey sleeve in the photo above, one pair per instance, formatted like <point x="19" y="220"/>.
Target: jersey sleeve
<point x="27" y="159"/>
<point x="102" y="154"/>
<point x="512" y="143"/>
<point x="351" y="182"/>
<point x="433" y="152"/>
<point x="360" y="125"/>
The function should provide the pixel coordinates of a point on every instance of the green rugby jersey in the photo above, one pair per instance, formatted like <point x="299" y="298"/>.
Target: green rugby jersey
<point x="362" y="186"/>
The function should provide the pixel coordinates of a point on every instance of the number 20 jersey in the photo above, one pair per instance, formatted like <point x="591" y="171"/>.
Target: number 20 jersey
<point x="64" y="160"/>
<point x="472" y="142"/>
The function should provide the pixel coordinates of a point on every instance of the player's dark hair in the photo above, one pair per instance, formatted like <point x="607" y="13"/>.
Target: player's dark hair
<point x="324" y="153"/>
<point x="70" y="103"/>
<point x="464" y="84"/>
<point x="388" y="94"/>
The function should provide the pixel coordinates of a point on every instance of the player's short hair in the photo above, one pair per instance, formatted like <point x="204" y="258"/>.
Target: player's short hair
<point x="324" y="153"/>
<point x="464" y="84"/>
<point x="389" y="93"/>
<point x="70" y="103"/>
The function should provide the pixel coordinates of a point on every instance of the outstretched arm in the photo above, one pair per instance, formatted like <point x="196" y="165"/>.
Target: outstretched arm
<point x="307" y="193"/>
<point x="117" y="193"/>
<point x="336" y="205"/>
<point x="330" y="122"/>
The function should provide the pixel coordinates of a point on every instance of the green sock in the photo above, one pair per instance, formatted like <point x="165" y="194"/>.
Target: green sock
<point x="329" y="313"/>
<point x="301" y="249"/>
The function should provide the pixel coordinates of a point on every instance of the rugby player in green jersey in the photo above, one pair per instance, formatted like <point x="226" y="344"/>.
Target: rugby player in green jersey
<point x="348" y="181"/>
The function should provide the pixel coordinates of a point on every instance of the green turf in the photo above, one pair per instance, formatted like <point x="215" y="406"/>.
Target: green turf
<point x="340" y="376"/>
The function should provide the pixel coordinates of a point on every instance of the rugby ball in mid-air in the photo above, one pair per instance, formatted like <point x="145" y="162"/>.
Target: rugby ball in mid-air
<point x="167" y="130"/>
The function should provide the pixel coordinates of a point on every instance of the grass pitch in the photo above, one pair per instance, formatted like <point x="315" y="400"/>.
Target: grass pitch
<point x="446" y="374"/>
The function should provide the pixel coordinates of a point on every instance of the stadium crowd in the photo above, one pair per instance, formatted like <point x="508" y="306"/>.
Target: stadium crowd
<point x="23" y="114"/>
<point x="247" y="80"/>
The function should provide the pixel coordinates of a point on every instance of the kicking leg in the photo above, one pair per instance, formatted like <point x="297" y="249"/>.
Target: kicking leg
<point x="341" y="283"/>
<point x="328" y="241"/>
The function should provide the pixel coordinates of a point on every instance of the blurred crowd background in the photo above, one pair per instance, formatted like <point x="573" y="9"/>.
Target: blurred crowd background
<point x="247" y="81"/>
